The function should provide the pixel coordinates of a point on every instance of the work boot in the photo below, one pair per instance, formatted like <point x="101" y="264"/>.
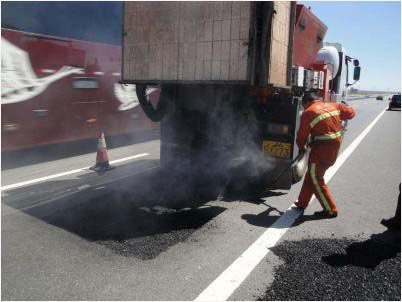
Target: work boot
<point x="392" y="223"/>
<point x="326" y="214"/>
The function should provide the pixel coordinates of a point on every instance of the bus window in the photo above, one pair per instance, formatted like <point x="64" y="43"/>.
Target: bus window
<point x="85" y="83"/>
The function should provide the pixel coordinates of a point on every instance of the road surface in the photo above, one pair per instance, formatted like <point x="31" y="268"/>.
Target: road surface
<point x="72" y="234"/>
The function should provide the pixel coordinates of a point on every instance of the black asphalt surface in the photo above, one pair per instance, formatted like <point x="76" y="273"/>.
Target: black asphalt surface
<point x="338" y="269"/>
<point x="111" y="237"/>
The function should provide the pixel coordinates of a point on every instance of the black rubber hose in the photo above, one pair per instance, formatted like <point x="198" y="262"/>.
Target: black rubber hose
<point x="153" y="114"/>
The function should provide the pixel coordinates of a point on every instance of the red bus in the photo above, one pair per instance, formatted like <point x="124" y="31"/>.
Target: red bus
<point x="61" y="66"/>
<point x="56" y="89"/>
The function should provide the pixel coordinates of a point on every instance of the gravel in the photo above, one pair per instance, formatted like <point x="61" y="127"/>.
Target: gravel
<point x="338" y="269"/>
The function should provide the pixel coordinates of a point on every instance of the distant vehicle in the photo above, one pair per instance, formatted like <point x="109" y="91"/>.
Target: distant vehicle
<point x="395" y="102"/>
<point x="379" y="98"/>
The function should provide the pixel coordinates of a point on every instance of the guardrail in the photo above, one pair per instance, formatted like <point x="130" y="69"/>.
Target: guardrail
<point x="353" y="98"/>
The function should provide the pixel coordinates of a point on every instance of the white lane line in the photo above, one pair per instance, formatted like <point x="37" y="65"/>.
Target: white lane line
<point x="45" y="178"/>
<point x="228" y="281"/>
<point x="128" y="158"/>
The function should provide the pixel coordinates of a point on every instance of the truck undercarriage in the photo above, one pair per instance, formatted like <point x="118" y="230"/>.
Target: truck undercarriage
<point x="211" y="138"/>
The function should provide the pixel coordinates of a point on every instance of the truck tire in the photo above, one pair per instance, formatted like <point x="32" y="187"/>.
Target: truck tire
<point x="300" y="168"/>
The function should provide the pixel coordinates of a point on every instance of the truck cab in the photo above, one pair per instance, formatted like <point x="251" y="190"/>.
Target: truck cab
<point x="335" y="56"/>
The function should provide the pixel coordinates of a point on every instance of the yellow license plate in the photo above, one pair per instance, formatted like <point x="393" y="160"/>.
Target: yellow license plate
<point x="277" y="149"/>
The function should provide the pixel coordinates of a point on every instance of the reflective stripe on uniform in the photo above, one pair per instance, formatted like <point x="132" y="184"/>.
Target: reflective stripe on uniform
<point x="327" y="136"/>
<point x="323" y="117"/>
<point x="318" y="188"/>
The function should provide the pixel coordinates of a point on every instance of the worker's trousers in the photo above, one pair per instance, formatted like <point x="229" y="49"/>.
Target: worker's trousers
<point x="314" y="180"/>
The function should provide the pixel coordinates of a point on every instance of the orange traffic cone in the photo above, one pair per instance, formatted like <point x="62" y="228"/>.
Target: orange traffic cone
<point x="102" y="160"/>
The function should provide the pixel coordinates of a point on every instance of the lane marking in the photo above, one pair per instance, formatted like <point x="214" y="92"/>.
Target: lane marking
<point x="230" y="279"/>
<point x="128" y="158"/>
<point x="71" y="191"/>
<point x="83" y="187"/>
<point x="40" y="179"/>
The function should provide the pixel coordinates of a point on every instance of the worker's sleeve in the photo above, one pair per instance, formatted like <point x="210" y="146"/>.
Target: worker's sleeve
<point x="347" y="112"/>
<point x="304" y="130"/>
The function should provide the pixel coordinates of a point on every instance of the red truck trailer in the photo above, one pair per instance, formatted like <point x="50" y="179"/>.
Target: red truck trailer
<point x="232" y="75"/>
<point x="56" y="89"/>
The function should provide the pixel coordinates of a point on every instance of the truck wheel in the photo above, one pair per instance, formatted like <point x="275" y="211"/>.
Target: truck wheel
<point x="300" y="168"/>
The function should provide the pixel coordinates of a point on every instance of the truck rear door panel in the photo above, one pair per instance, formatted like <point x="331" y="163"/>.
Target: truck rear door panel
<point x="204" y="41"/>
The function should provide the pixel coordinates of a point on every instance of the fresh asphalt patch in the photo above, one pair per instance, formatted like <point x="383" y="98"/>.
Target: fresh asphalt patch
<point x="129" y="230"/>
<point x="132" y="216"/>
<point x="146" y="235"/>
<point x="338" y="269"/>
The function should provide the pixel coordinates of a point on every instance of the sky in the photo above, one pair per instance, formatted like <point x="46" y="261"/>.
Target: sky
<point x="90" y="21"/>
<point x="370" y="32"/>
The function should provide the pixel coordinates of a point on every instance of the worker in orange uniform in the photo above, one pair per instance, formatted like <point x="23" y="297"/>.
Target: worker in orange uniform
<point x="322" y="121"/>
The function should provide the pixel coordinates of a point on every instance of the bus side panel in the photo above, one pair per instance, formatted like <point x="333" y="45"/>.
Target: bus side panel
<point x="64" y="111"/>
<point x="49" y="108"/>
<point x="23" y="121"/>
